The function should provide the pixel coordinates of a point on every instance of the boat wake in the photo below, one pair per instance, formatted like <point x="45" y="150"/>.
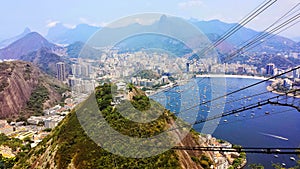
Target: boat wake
<point x="275" y="136"/>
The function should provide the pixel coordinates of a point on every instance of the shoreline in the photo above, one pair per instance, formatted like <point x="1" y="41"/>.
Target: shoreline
<point x="270" y="89"/>
<point x="234" y="76"/>
<point x="212" y="76"/>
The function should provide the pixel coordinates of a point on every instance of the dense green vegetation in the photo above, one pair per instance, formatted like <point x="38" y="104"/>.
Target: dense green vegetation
<point x="38" y="96"/>
<point x="73" y="145"/>
<point x="239" y="161"/>
<point x="36" y="100"/>
<point x="16" y="145"/>
<point x="256" y="166"/>
<point x="124" y="125"/>
<point x="13" y="143"/>
<point x="147" y="74"/>
<point x="204" y="161"/>
<point x="141" y="102"/>
<point x="5" y="70"/>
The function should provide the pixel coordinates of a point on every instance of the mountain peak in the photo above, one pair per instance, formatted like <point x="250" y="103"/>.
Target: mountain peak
<point x="163" y="18"/>
<point x="34" y="35"/>
<point x="26" y="31"/>
<point x="29" y="43"/>
<point x="7" y="42"/>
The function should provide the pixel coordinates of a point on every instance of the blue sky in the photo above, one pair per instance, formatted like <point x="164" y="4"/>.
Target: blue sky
<point x="39" y="15"/>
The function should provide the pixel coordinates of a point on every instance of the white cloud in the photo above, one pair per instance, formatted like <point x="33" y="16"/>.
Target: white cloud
<point x="51" y="23"/>
<point x="86" y="21"/>
<point x="103" y="24"/>
<point x="190" y="4"/>
<point x="70" y="26"/>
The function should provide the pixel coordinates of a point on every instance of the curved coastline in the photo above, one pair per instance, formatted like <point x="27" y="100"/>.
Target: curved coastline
<point x="270" y="89"/>
<point x="235" y="76"/>
<point x="215" y="76"/>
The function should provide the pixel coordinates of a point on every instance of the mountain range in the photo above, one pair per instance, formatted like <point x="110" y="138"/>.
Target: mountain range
<point x="213" y="29"/>
<point x="33" y="47"/>
<point x="63" y="35"/>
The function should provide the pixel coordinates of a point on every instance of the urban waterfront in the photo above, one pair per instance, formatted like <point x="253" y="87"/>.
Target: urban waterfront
<point x="266" y="126"/>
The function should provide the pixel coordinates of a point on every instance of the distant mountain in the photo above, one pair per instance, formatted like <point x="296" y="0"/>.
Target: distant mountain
<point x="219" y="28"/>
<point x="7" y="42"/>
<point x="25" y="90"/>
<point x="29" y="43"/>
<point x="281" y="61"/>
<point x="46" y="60"/>
<point x="213" y="29"/>
<point x="136" y="36"/>
<point x="297" y="39"/>
<point x="86" y="51"/>
<point x="57" y="33"/>
<point x="63" y="35"/>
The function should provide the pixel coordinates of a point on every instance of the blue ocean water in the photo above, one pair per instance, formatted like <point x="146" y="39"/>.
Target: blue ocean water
<point x="279" y="127"/>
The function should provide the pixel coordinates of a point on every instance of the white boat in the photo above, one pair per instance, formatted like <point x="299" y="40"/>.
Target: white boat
<point x="283" y="164"/>
<point x="276" y="156"/>
<point x="292" y="158"/>
<point x="179" y="91"/>
<point x="267" y="112"/>
<point x="225" y="120"/>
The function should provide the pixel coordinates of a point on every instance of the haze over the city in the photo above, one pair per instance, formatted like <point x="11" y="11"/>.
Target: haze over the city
<point x="41" y="15"/>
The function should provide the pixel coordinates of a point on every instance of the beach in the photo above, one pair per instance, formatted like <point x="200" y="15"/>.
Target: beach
<point x="234" y="76"/>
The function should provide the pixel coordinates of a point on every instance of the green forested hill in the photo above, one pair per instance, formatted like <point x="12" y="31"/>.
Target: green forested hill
<point x="68" y="146"/>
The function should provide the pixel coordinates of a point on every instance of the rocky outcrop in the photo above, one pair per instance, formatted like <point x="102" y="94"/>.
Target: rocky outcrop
<point x="19" y="79"/>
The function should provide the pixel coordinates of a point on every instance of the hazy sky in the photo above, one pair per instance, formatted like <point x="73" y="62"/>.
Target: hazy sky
<point x="39" y="15"/>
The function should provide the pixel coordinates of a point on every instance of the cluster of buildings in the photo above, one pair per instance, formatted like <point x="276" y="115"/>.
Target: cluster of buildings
<point x="271" y="70"/>
<point x="125" y="65"/>
<point x="288" y="81"/>
<point x="115" y="66"/>
<point x="233" y="68"/>
<point x="36" y="126"/>
<point x="138" y="81"/>
<point x="222" y="160"/>
<point x="80" y="77"/>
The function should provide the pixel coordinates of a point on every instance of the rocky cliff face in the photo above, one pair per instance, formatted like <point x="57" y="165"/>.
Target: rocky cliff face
<point x="18" y="81"/>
